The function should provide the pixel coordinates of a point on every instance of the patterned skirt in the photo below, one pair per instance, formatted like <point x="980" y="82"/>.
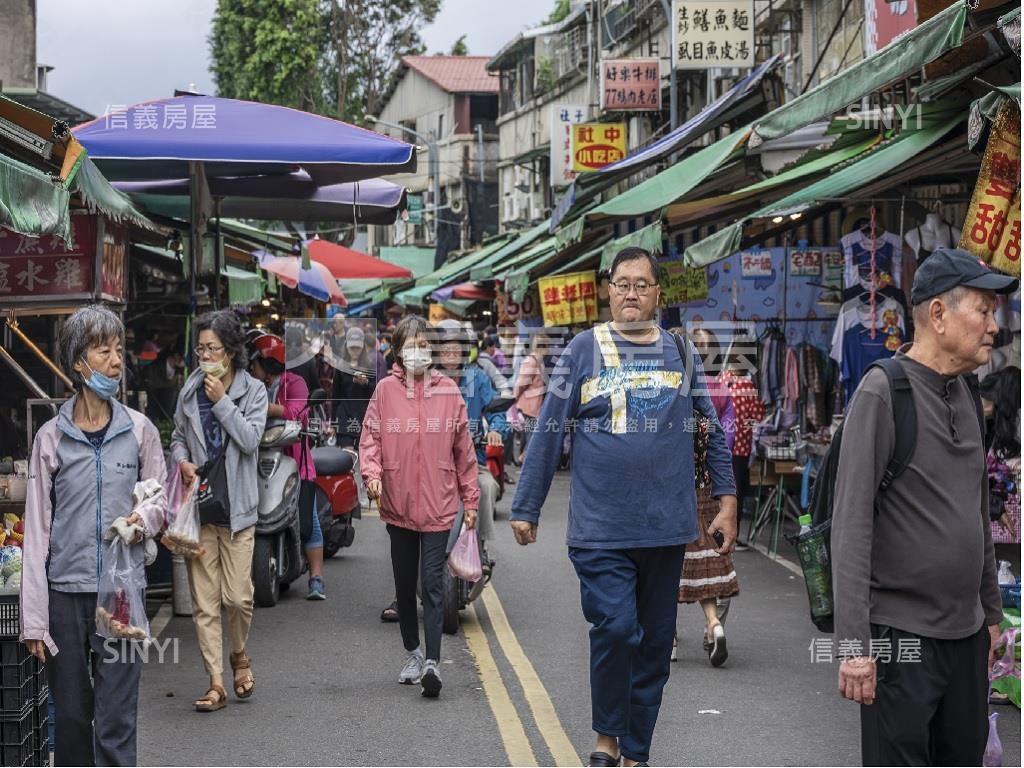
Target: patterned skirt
<point x="706" y="574"/>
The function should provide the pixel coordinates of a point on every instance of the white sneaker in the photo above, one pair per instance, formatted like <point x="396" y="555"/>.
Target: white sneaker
<point x="413" y="669"/>
<point x="431" y="680"/>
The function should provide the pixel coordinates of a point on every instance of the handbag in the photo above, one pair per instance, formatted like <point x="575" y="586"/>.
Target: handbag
<point x="212" y="493"/>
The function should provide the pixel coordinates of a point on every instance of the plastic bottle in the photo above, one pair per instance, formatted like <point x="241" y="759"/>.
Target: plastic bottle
<point x="1006" y="577"/>
<point x="993" y="747"/>
<point x="814" y="560"/>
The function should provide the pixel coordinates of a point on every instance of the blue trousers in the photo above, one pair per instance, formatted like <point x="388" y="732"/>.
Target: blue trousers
<point x="629" y="599"/>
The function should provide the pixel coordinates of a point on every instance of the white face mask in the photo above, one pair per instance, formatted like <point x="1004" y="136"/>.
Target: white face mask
<point x="415" y="359"/>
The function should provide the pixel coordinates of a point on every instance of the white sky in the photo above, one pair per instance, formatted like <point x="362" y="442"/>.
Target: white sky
<point x="115" y="52"/>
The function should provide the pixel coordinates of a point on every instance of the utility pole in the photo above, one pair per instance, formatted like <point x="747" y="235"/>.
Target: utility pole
<point x="480" y="150"/>
<point x="433" y="162"/>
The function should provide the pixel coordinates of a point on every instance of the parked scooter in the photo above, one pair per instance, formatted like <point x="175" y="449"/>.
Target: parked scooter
<point x="458" y="594"/>
<point x="337" y="496"/>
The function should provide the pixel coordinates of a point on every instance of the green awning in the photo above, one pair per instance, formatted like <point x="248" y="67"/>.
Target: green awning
<point x="31" y="203"/>
<point x="873" y="166"/>
<point x="672" y="183"/>
<point x="986" y="108"/>
<point x="517" y="269"/>
<point x="908" y="53"/>
<point x="484" y="269"/>
<point x="594" y="254"/>
<point x="98" y="195"/>
<point x="458" y="306"/>
<point x="649" y="238"/>
<point x="413" y="297"/>
<point x="244" y="288"/>
<point x="570" y="233"/>
<point x="458" y="268"/>
<point x="418" y="260"/>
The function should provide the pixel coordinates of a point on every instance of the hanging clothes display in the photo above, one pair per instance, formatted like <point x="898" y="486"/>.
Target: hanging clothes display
<point x="857" y="258"/>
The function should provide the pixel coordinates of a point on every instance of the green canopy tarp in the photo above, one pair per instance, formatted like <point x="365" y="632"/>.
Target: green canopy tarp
<point x="873" y="166"/>
<point x="413" y="297"/>
<point x="484" y="269"/>
<point x="517" y="269"/>
<point x="244" y="288"/>
<point x="99" y="196"/>
<point x="459" y="267"/>
<point x="908" y="53"/>
<point x="649" y="238"/>
<point x="31" y="203"/>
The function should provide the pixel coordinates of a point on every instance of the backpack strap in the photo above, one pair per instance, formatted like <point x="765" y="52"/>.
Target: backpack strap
<point x="904" y="417"/>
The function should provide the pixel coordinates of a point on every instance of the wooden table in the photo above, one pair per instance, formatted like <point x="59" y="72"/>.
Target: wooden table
<point x="779" y="502"/>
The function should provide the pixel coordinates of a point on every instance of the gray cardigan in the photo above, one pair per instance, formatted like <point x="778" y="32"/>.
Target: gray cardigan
<point x="243" y="426"/>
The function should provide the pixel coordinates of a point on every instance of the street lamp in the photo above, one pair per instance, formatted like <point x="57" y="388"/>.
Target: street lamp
<point x="433" y="160"/>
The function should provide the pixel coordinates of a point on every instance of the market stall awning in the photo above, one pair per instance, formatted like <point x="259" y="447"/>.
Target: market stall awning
<point x="714" y="114"/>
<point x="420" y="261"/>
<point x="413" y="297"/>
<point x="157" y="140"/>
<point x="347" y="264"/>
<point x="870" y="169"/>
<point x="464" y="291"/>
<point x="907" y="53"/>
<point x="515" y="271"/>
<point x="31" y="203"/>
<point x="649" y="238"/>
<point x="244" y="288"/>
<point x="461" y="267"/>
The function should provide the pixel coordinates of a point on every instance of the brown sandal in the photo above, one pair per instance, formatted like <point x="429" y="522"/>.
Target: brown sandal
<point x="244" y="685"/>
<point x="215" y="698"/>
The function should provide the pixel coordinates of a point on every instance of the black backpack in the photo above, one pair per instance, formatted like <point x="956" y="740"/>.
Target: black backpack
<point x="905" y="424"/>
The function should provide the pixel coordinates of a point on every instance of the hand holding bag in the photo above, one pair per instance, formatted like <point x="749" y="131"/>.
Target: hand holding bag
<point x="464" y="560"/>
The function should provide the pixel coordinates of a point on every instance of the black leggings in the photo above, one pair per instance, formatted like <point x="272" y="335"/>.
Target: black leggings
<point x="419" y="555"/>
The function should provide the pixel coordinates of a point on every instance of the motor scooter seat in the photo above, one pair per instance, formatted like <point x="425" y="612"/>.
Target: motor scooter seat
<point x="331" y="460"/>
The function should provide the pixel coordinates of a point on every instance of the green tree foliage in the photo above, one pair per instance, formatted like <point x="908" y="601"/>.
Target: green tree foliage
<point x="459" y="47"/>
<point x="275" y="51"/>
<point x="560" y="11"/>
<point x="333" y="57"/>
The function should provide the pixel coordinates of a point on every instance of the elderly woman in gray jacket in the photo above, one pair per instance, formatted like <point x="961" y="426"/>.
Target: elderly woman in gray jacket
<point x="218" y="423"/>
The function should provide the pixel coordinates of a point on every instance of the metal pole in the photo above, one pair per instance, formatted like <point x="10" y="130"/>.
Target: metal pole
<point x="436" y="194"/>
<point x="673" y="111"/>
<point x="480" y="149"/>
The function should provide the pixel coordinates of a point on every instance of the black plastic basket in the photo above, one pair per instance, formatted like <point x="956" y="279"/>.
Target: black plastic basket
<point x="41" y="730"/>
<point x="10" y="616"/>
<point x="21" y="679"/>
<point x="18" y="740"/>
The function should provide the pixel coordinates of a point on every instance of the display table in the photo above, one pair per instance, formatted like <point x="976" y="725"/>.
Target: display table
<point x="780" y="476"/>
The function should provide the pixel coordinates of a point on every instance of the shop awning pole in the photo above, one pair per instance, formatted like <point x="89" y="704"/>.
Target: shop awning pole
<point x="12" y="323"/>
<point x="22" y="374"/>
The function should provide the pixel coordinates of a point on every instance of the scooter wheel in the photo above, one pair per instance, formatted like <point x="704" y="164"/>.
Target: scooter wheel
<point x="266" y="587"/>
<point x="450" y="604"/>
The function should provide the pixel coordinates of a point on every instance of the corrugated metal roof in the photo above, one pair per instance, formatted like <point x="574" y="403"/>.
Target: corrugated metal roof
<point x="455" y="74"/>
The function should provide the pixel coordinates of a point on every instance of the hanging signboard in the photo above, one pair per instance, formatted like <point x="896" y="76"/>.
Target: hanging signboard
<point x="885" y="20"/>
<point x="113" y="281"/>
<point x="414" y="206"/>
<point x="511" y="312"/>
<point x="756" y="263"/>
<point x="681" y="284"/>
<point x="563" y="117"/>
<point x="805" y="262"/>
<point x="991" y="230"/>
<point x="595" y="145"/>
<point x="630" y="85"/>
<point x="709" y="33"/>
<point x="568" y="299"/>
<point x="834" y="266"/>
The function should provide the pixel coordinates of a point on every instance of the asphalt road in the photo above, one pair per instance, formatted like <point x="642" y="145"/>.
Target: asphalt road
<point x="515" y="680"/>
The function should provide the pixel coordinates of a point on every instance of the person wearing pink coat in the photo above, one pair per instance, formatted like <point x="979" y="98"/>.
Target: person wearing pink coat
<point x="418" y="462"/>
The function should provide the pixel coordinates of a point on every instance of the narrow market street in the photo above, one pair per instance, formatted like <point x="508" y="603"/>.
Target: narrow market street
<point x="327" y="690"/>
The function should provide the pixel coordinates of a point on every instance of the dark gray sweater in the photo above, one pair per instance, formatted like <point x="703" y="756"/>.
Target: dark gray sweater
<point x="924" y="563"/>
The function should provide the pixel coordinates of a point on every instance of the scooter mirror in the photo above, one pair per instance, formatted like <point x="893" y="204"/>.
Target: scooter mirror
<point x="317" y="397"/>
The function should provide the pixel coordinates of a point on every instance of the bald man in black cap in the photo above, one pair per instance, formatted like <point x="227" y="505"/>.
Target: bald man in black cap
<point x="917" y="604"/>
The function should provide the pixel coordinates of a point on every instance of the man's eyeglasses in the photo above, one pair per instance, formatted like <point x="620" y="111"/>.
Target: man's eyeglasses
<point x="202" y="349"/>
<point x="641" y="287"/>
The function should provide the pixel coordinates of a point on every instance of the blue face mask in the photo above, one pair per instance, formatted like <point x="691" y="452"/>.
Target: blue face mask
<point x="104" y="386"/>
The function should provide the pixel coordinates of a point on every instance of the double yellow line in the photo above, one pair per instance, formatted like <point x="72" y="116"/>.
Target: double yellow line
<point x="510" y="725"/>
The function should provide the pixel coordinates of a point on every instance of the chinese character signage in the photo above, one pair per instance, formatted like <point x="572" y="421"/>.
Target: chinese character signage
<point x="680" y="283"/>
<point x="756" y="263"/>
<point x="414" y="206"/>
<point x="114" y="263"/>
<point x="805" y="262"/>
<point x="563" y="118"/>
<point x="595" y="145"/>
<point x="885" y="20"/>
<point x="45" y="268"/>
<point x="991" y="230"/>
<point x="709" y="33"/>
<point x="192" y="114"/>
<point x="630" y="84"/>
<point x="832" y="261"/>
<point x="511" y="312"/>
<point x="568" y="299"/>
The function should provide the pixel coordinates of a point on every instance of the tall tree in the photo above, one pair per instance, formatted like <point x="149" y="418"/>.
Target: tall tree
<point x="275" y="51"/>
<point x="459" y="47"/>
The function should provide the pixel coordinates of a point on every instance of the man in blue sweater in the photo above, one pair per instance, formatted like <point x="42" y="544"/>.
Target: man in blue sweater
<point x="629" y="392"/>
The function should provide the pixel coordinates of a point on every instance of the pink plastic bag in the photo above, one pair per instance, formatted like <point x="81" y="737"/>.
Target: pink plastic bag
<point x="176" y="490"/>
<point x="464" y="560"/>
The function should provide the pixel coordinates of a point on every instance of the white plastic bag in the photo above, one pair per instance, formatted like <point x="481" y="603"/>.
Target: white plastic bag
<point x="121" y="603"/>
<point x="182" y="535"/>
<point x="464" y="560"/>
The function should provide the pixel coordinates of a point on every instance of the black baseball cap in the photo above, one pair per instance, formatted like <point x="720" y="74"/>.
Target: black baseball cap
<point x="947" y="268"/>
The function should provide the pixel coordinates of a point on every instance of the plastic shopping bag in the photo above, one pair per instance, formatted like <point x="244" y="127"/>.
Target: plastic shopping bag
<point x="182" y="535"/>
<point x="515" y="418"/>
<point x="464" y="560"/>
<point x="120" y="603"/>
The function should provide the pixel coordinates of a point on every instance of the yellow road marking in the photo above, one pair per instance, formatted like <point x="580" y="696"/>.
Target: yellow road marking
<point x="536" y="694"/>
<point x="510" y="726"/>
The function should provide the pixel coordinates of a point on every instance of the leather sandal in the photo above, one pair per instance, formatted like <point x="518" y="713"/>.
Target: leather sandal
<point x="244" y="684"/>
<point x="603" y="759"/>
<point x="214" y="699"/>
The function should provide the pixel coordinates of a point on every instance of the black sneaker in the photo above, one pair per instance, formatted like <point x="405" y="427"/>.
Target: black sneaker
<point x="431" y="680"/>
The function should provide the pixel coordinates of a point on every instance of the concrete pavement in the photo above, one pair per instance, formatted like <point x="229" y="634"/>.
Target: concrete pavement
<point x="516" y="683"/>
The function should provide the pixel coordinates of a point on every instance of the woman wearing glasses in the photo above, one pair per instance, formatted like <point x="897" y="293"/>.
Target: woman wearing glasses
<point x="218" y="423"/>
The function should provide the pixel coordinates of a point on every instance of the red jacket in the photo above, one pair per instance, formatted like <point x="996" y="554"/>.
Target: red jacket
<point x="416" y="441"/>
<point x="293" y="394"/>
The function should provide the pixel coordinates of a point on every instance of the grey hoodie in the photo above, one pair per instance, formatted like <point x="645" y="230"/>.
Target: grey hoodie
<point x="243" y="426"/>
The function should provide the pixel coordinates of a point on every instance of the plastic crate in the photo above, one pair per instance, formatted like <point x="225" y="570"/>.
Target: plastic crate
<point x="41" y="731"/>
<point x="10" y="616"/>
<point x="18" y="739"/>
<point x="21" y="679"/>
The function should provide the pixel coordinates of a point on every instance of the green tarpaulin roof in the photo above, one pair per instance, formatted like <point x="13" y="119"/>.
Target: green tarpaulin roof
<point x="649" y="238"/>
<point x="907" y="53"/>
<point x="413" y="297"/>
<point x="31" y="203"/>
<point x="516" y="270"/>
<point x="98" y="195"/>
<point x="416" y="259"/>
<point x="484" y="271"/>
<point x="244" y="288"/>
<point x="458" y="268"/>
<point x="873" y="166"/>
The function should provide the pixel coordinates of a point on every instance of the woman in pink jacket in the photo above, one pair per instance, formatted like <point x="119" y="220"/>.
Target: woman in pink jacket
<point x="418" y="462"/>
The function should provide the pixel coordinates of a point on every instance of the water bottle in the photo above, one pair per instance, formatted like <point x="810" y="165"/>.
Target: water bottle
<point x="813" y="554"/>
<point x="993" y="747"/>
<point x="1006" y="577"/>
